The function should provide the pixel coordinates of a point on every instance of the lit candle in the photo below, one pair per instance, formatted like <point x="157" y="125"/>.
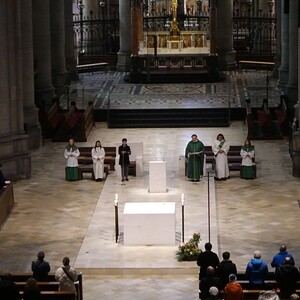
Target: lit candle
<point x="116" y="199"/>
<point x="182" y="200"/>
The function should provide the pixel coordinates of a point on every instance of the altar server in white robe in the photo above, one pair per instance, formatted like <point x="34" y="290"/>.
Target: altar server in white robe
<point x="98" y="155"/>
<point x="220" y="149"/>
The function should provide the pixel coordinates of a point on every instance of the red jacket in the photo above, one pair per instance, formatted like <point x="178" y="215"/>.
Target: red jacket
<point x="233" y="291"/>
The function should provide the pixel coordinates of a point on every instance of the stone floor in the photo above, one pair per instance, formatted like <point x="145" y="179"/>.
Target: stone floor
<point x="56" y="216"/>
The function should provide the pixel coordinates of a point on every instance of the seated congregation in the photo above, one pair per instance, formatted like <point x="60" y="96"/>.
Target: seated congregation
<point x="228" y="284"/>
<point x="64" y="284"/>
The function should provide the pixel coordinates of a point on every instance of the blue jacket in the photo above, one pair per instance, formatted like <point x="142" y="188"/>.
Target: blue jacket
<point x="279" y="258"/>
<point x="257" y="271"/>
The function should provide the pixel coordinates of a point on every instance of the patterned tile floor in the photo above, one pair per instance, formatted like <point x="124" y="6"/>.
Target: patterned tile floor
<point x="109" y="87"/>
<point x="53" y="215"/>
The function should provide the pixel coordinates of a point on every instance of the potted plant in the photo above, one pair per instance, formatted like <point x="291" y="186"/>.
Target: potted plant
<point x="190" y="250"/>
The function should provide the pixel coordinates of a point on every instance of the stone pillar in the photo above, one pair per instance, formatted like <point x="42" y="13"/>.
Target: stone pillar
<point x="44" y="90"/>
<point x="124" y="54"/>
<point x="296" y="136"/>
<point x="277" y="58"/>
<point x="283" y="70"/>
<point x="224" y="35"/>
<point x="70" y="51"/>
<point x="136" y="26"/>
<point x="31" y="124"/>
<point x="292" y="85"/>
<point x="58" y="60"/>
<point x="13" y="141"/>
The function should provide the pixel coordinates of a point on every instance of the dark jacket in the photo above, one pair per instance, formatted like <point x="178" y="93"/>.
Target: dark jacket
<point x="2" y="180"/>
<point x="206" y="259"/>
<point x="124" y="158"/>
<point x="207" y="282"/>
<point x="224" y="269"/>
<point x="287" y="276"/>
<point x="257" y="271"/>
<point x="40" y="270"/>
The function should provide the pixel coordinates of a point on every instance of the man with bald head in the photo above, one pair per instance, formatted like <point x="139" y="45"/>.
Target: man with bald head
<point x="279" y="258"/>
<point x="287" y="276"/>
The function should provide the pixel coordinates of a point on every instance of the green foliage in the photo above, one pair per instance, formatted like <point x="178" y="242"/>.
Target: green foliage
<point x="189" y="250"/>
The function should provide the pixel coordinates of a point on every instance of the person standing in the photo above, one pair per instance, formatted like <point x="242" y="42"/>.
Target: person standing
<point x="279" y="258"/>
<point x="220" y="149"/>
<point x="194" y="152"/>
<point x="207" y="259"/>
<point x="233" y="290"/>
<point x="257" y="271"/>
<point x="98" y="155"/>
<point x="226" y="268"/>
<point x="124" y="152"/>
<point x="40" y="268"/>
<point x="66" y="276"/>
<point x="71" y="155"/>
<point x="3" y="182"/>
<point x="247" y="154"/>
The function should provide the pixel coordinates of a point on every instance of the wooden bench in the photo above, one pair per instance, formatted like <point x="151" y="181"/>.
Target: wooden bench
<point x="233" y="155"/>
<point x="56" y="295"/>
<point x="6" y="202"/>
<point x="50" y="288"/>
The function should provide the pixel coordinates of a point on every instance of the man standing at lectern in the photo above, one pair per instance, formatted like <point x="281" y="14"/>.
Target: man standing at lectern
<point x="124" y="152"/>
<point x="194" y="152"/>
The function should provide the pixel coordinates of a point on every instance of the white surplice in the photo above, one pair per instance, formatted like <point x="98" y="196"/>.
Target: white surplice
<point x="222" y="169"/>
<point x="98" y="155"/>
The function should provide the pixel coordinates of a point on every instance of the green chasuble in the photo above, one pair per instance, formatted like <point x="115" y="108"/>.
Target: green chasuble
<point x="195" y="161"/>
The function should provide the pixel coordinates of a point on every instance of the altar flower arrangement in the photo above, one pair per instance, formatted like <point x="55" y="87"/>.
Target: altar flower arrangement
<point x="190" y="250"/>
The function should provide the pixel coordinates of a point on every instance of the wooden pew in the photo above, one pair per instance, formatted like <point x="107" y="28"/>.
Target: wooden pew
<point x="55" y="295"/>
<point x="50" y="288"/>
<point x="6" y="202"/>
<point x="234" y="157"/>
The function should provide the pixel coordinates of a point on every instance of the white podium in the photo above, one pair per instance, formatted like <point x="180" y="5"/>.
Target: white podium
<point x="157" y="177"/>
<point x="149" y="223"/>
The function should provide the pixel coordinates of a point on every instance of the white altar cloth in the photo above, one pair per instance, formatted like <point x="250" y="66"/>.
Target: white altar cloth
<point x="149" y="223"/>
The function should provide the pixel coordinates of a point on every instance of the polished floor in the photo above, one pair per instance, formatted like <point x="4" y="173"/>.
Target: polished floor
<point x="77" y="218"/>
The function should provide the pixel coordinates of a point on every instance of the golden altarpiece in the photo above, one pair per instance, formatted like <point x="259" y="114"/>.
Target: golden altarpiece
<point x="175" y="34"/>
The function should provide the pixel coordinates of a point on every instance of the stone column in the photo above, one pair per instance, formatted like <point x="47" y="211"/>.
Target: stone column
<point x="125" y="36"/>
<point x="136" y="25"/>
<point x="292" y="85"/>
<point x="283" y="71"/>
<point x="31" y="124"/>
<point x="44" y="90"/>
<point x="277" y="58"/>
<point x="58" y="59"/>
<point x="70" y="51"/>
<point x="224" y="35"/>
<point x="296" y="136"/>
<point x="13" y="141"/>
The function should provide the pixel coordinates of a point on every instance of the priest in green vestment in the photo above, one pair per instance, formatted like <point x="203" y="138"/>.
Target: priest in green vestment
<point x="71" y="154"/>
<point x="194" y="152"/>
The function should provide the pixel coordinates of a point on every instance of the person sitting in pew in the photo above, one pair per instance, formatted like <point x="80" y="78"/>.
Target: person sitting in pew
<point x="257" y="271"/>
<point x="3" y="181"/>
<point x="98" y="155"/>
<point x="66" y="276"/>
<point x="8" y="289"/>
<point x="208" y="281"/>
<point x="233" y="290"/>
<point x="31" y="290"/>
<point x="287" y="276"/>
<point x="40" y="267"/>
<point x="213" y="294"/>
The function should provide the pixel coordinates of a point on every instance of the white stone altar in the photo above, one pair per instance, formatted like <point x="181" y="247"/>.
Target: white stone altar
<point x="157" y="177"/>
<point x="149" y="223"/>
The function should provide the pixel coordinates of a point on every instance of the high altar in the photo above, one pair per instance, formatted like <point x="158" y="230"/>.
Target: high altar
<point x="170" y="29"/>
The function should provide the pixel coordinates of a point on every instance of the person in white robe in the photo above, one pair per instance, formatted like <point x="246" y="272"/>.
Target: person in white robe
<point x="220" y="149"/>
<point x="98" y="155"/>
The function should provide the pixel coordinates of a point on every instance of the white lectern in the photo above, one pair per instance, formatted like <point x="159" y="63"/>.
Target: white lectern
<point x="149" y="223"/>
<point x="157" y="177"/>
